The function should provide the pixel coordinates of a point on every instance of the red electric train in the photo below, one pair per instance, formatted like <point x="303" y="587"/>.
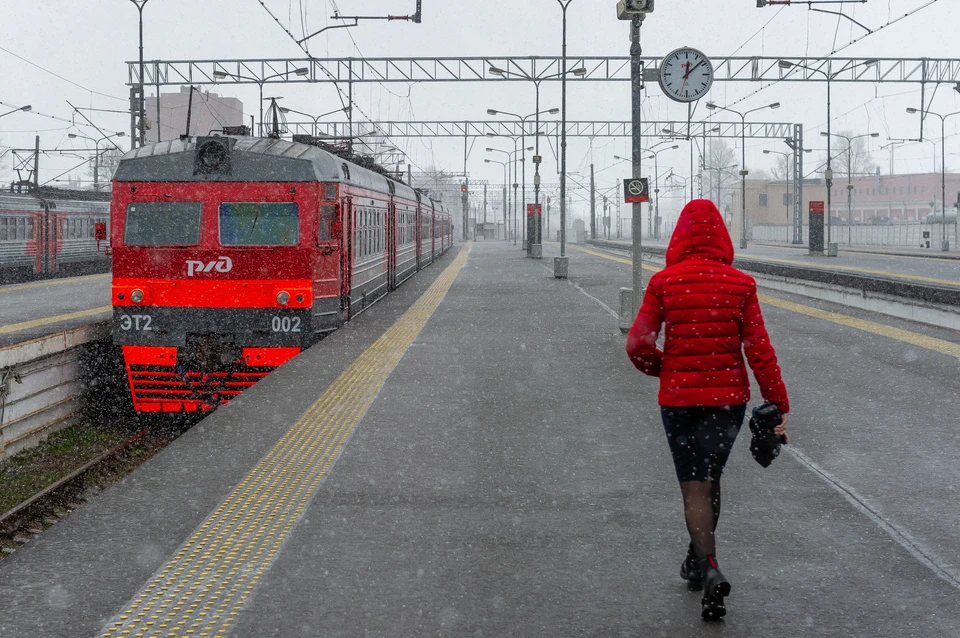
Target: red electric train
<point x="233" y="254"/>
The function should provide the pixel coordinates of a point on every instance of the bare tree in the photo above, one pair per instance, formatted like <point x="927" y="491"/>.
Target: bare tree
<point x="109" y="161"/>
<point x="782" y="168"/>
<point x="861" y="162"/>
<point x="720" y="172"/>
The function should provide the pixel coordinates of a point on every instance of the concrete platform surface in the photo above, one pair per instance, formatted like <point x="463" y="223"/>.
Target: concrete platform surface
<point x="511" y="478"/>
<point x="929" y="269"/>
<point x="40" y="308"/>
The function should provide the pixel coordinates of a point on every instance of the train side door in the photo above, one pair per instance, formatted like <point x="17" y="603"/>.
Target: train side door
<point x="418" y="224"/>
<point x="346" y="254"/>
<point x="392" y="244"/>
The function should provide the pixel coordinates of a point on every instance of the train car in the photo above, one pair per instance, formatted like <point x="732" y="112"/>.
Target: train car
<point x="233" y="254"/>
<point x="50" y="233"/>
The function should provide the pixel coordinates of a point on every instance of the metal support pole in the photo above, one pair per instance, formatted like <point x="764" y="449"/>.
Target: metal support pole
<point x="593" y="206"/>
<point x="466" y="215"/>
<point x="943" y="181"/>
<point x="159" y="139"/>
<point x="829" y="172"/>
<point x="96" y="166"/>
<point x="533" y="234"/>
<point x="350" y="113"/>
<point x="636" y="87"/>
<point x="563" y="138"/>
<point x="743" y="182"/>
<point x="849" y="188"/>
<point x="36" y="164"/>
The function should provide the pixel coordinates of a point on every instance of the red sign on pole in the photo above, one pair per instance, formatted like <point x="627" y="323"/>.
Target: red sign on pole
<point x="816" y="207"/>
<point x="534" y="209"/>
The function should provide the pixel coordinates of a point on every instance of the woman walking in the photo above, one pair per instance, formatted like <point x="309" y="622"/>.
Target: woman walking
<point x="711" y="318"/>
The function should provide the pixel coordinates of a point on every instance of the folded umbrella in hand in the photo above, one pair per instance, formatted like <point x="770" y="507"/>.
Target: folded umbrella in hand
<point x="765" y="445"/>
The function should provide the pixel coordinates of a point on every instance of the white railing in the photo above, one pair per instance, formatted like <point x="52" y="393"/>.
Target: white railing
<point x="894" y="235"/>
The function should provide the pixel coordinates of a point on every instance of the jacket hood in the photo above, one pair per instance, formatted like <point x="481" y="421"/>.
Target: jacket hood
<point x="700" y="234"/>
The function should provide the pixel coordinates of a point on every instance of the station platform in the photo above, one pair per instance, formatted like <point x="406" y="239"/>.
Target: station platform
<point x="41" y="308"/>
<point x="475" y="456"/>
<point x="930" y="268"/>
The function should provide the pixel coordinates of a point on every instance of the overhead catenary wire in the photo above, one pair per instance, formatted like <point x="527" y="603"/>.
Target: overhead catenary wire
<point x="836" y="50"/>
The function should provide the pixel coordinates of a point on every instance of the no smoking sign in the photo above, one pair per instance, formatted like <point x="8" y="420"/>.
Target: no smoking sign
<point x="636" y="190"/>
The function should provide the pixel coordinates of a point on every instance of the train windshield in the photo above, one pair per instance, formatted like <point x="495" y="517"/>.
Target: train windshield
<point x="162" y="224"/>
<point x="259" y="224"/>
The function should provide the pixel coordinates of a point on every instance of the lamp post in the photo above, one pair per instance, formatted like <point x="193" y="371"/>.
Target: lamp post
<point x="656" y="188"/>
<point x="849" y="173"/>
<point x="943" y="167"/>
<point x="580" y="72"/>
<point x="96" y="154"/>
<point x="25" y="109"/>
<point x="506" y="172"/>
<point x="523" y="130"/>
<point x="222" y="75"/>
<point x="828" y="173"/>
<point x="743" y="161"/>
<point x="316" y="119"/>
<point x="560" y="266"/>
<point x="141" y="106"/>
<point x="512" y="158"/>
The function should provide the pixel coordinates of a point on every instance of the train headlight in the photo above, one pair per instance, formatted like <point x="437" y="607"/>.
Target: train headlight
<point x="283" y="298"/>
<point x="136" y="296"/>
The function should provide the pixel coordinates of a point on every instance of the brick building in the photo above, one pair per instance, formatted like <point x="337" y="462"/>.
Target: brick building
<point x="876" y="198"/>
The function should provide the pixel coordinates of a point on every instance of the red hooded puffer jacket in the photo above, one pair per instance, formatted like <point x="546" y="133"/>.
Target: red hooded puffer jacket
<point x="711" y="317"/>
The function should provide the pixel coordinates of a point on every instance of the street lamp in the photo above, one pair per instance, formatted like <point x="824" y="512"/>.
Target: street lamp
<point x="222" y="75"/>
<point x="579" y="72"/>
<point x="523" y="131"/>
<point x="828" y="174"/>
<point x="25" y="109"/>
<point x="96" y="154"/>
<point x="316" y="119"/>
<point x="656" y="187"/>
<point x="943" y="166"/>
<point x="506" y="173"/>
<point x="743" y="161"/>
<point x="512" y="155"/>
<point x="849" y="171"/>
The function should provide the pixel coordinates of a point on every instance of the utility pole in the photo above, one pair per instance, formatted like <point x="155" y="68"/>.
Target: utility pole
<point x="36" y="165"/>
<point x="636" y="86"/>
<point x="593" y="207"/>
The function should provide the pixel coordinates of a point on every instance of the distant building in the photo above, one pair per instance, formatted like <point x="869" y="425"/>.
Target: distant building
<point x="209" y="112"/>
<point x="873" y="199"/>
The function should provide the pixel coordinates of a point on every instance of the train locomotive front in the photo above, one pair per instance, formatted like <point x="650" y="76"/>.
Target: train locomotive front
<point x="229" y="260"/>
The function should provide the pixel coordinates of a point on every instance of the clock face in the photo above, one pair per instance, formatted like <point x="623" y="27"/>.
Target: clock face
<point x="686" y="75"/>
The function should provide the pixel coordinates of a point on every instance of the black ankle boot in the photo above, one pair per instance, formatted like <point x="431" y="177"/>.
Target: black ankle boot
<point x="690" y="569"/>
<point x="715" y="588"/>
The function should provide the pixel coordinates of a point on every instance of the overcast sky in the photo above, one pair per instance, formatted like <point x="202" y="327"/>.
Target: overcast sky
<point x="89" y="42"/>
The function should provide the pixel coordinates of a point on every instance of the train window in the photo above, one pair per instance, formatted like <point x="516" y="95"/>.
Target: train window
<point x="327" y="215"/>
<point x="162" y="224"/>
<point x="259" y="224"/>
<point x="3" y="228"/>
<point x="330" y="191"/>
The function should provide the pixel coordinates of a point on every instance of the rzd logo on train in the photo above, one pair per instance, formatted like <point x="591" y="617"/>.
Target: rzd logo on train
<point x="223" y="264"/>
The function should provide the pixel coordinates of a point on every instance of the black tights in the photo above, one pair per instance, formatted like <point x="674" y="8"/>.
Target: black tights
<point x="701" y="508"/>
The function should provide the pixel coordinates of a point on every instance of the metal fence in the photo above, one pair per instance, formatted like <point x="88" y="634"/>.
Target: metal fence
<point x="899" y="235"/>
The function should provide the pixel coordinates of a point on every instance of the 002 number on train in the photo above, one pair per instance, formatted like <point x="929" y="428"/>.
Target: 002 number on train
<point x="285" y="324"/>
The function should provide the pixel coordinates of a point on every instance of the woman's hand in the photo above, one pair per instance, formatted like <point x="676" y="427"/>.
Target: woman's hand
<point x="781" y="430"/>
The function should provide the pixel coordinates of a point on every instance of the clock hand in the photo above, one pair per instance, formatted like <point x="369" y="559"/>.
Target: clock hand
<point x="693" y="68"/>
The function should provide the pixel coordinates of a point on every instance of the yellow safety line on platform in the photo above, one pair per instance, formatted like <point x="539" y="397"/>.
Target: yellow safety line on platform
<point x="865" y="271"/>
<point x="51" y="282"/>
<point x="36" y="323"/>
<point x="202" y="589"/>
<point x="930" y="343"/>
